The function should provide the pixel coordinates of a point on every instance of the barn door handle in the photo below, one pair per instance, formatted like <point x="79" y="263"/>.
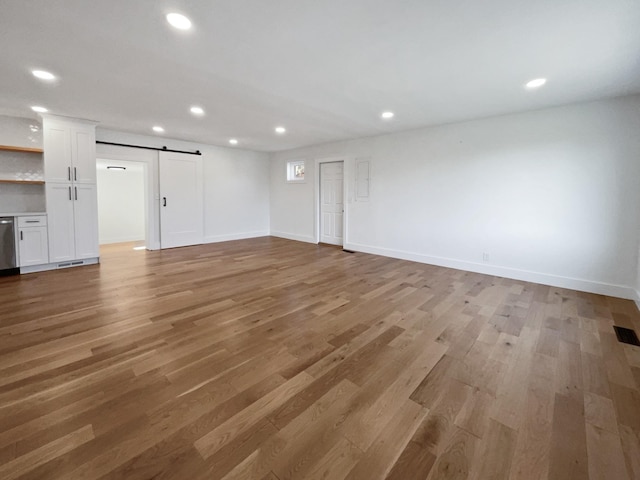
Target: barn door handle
<point x="164" y="201"/>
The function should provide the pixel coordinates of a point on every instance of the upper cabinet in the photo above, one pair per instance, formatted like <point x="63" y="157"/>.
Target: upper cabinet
<point x="69" y="151"/>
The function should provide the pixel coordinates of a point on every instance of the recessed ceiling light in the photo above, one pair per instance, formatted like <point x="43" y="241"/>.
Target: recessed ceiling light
<point x="42" y="75"/>
<point x="233" y="141"/>
<point x="158" y="129"/>
<point x="280" y="130"/>
<point x="538" y="82"/>
<point x="39" y="109"/>
<point x="179" y="21"/>
<point x="387" y="115"/>
<point x="197" y="110"/>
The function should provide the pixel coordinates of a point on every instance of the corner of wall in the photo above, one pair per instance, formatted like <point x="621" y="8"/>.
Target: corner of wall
<point x="293" y="236"/>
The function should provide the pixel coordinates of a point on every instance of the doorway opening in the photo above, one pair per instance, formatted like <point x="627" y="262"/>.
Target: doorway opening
<point x="123" y="214"/>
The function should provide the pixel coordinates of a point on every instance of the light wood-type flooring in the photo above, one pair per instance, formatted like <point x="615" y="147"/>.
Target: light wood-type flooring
<point x="272" y="359"/>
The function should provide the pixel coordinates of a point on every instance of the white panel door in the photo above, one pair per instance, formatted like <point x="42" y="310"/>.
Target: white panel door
<point x="85" y="212"/>
<point x="62" y="245"/>
<point x="331" y="202"/>
<point x="181" y="200"/>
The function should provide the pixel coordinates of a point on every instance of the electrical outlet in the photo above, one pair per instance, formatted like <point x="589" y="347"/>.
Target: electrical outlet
<point x="485" y="257"/>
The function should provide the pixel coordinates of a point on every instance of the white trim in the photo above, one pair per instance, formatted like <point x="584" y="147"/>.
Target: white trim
<point x="149" y="161"/>
<point x="582" y="285"/>
<point x="235" y="236"/>
<point x="637" y="298"/>
<point x="294" y="236"/>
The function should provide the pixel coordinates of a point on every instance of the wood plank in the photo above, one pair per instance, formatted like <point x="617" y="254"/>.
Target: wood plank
<point x="568" y="443"/>
<point x="272" y="359"/>
<point x="12" y="148"/>
<point x="606" y="459"/>
<point x="496" y="453"/>
<point x="22" y="182"/>
<point x="414" y="462"/>
<point x="381" y="455"/>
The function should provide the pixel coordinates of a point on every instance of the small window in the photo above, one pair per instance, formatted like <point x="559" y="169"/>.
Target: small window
<point x="295" y="171"/>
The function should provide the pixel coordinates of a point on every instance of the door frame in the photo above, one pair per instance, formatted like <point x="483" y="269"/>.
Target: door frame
<point x="346" y="161"/>
<point x="149" y="160"/>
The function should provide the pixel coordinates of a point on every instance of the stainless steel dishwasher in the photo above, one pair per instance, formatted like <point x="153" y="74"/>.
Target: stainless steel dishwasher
<point x="8" y="265"/>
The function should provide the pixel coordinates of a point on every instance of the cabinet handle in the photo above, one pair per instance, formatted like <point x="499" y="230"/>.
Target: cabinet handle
<point x="69" y="173"/>
<point x="75" y="174"/>
<point x="21" y="235"/>
<point x="32" y="221"/>
<point x="164" y="201"/>
<point x="69" y="193"/>
<point x="76" y="192"/>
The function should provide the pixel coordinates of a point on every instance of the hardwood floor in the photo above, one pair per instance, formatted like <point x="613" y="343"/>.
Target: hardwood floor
<point x="272" y="359"/>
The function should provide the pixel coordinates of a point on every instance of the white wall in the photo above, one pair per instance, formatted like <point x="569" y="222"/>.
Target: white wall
<point x="15" y="198"/>
<point x="551" y="196"/>
<point x="121" y="201"/>
<point x="637" y="297"/>
<point x="20" y="132"/>
<point x="236" y="183"/>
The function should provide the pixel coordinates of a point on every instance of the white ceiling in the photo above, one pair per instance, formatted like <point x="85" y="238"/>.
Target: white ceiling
<point x="325" y="69"/>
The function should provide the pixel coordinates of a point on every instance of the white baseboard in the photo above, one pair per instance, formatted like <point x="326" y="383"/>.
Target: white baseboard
<point x="589" y="286"/>
<point x="293" y="236"/>
<point x="235" y="236"/>
<point x="59" y="265"/>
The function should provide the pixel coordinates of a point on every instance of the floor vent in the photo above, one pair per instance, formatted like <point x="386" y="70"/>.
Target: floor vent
<point x="626" y="335"/>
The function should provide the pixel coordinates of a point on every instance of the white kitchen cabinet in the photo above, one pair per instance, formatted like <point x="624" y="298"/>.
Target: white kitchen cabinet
<point x="73" y="221"/>
<point x="62" y="237"/>
<point x="33" y="245"/>
<point x="71" y="193"/>
<point x="85" y="219"/>
<point x="69" y="151"/>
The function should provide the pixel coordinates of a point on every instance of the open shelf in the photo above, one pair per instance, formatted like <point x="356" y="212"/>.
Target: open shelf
<point x="23" y="182"/>
<point x="20" y="149"/>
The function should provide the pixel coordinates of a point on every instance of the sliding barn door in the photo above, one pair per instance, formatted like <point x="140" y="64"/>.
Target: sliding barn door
<point x="181" y="200"/>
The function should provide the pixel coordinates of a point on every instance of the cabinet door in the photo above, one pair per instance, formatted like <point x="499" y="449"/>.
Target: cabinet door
<point x="34" y="248"/>
<point x="60" y="222"/>
<point x="83" y="154"/>
<point x="86" y="220"/>
<point x="57" y="153"/>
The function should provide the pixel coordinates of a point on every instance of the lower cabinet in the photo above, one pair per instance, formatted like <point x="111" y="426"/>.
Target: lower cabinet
<point x="33" y="245"/>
